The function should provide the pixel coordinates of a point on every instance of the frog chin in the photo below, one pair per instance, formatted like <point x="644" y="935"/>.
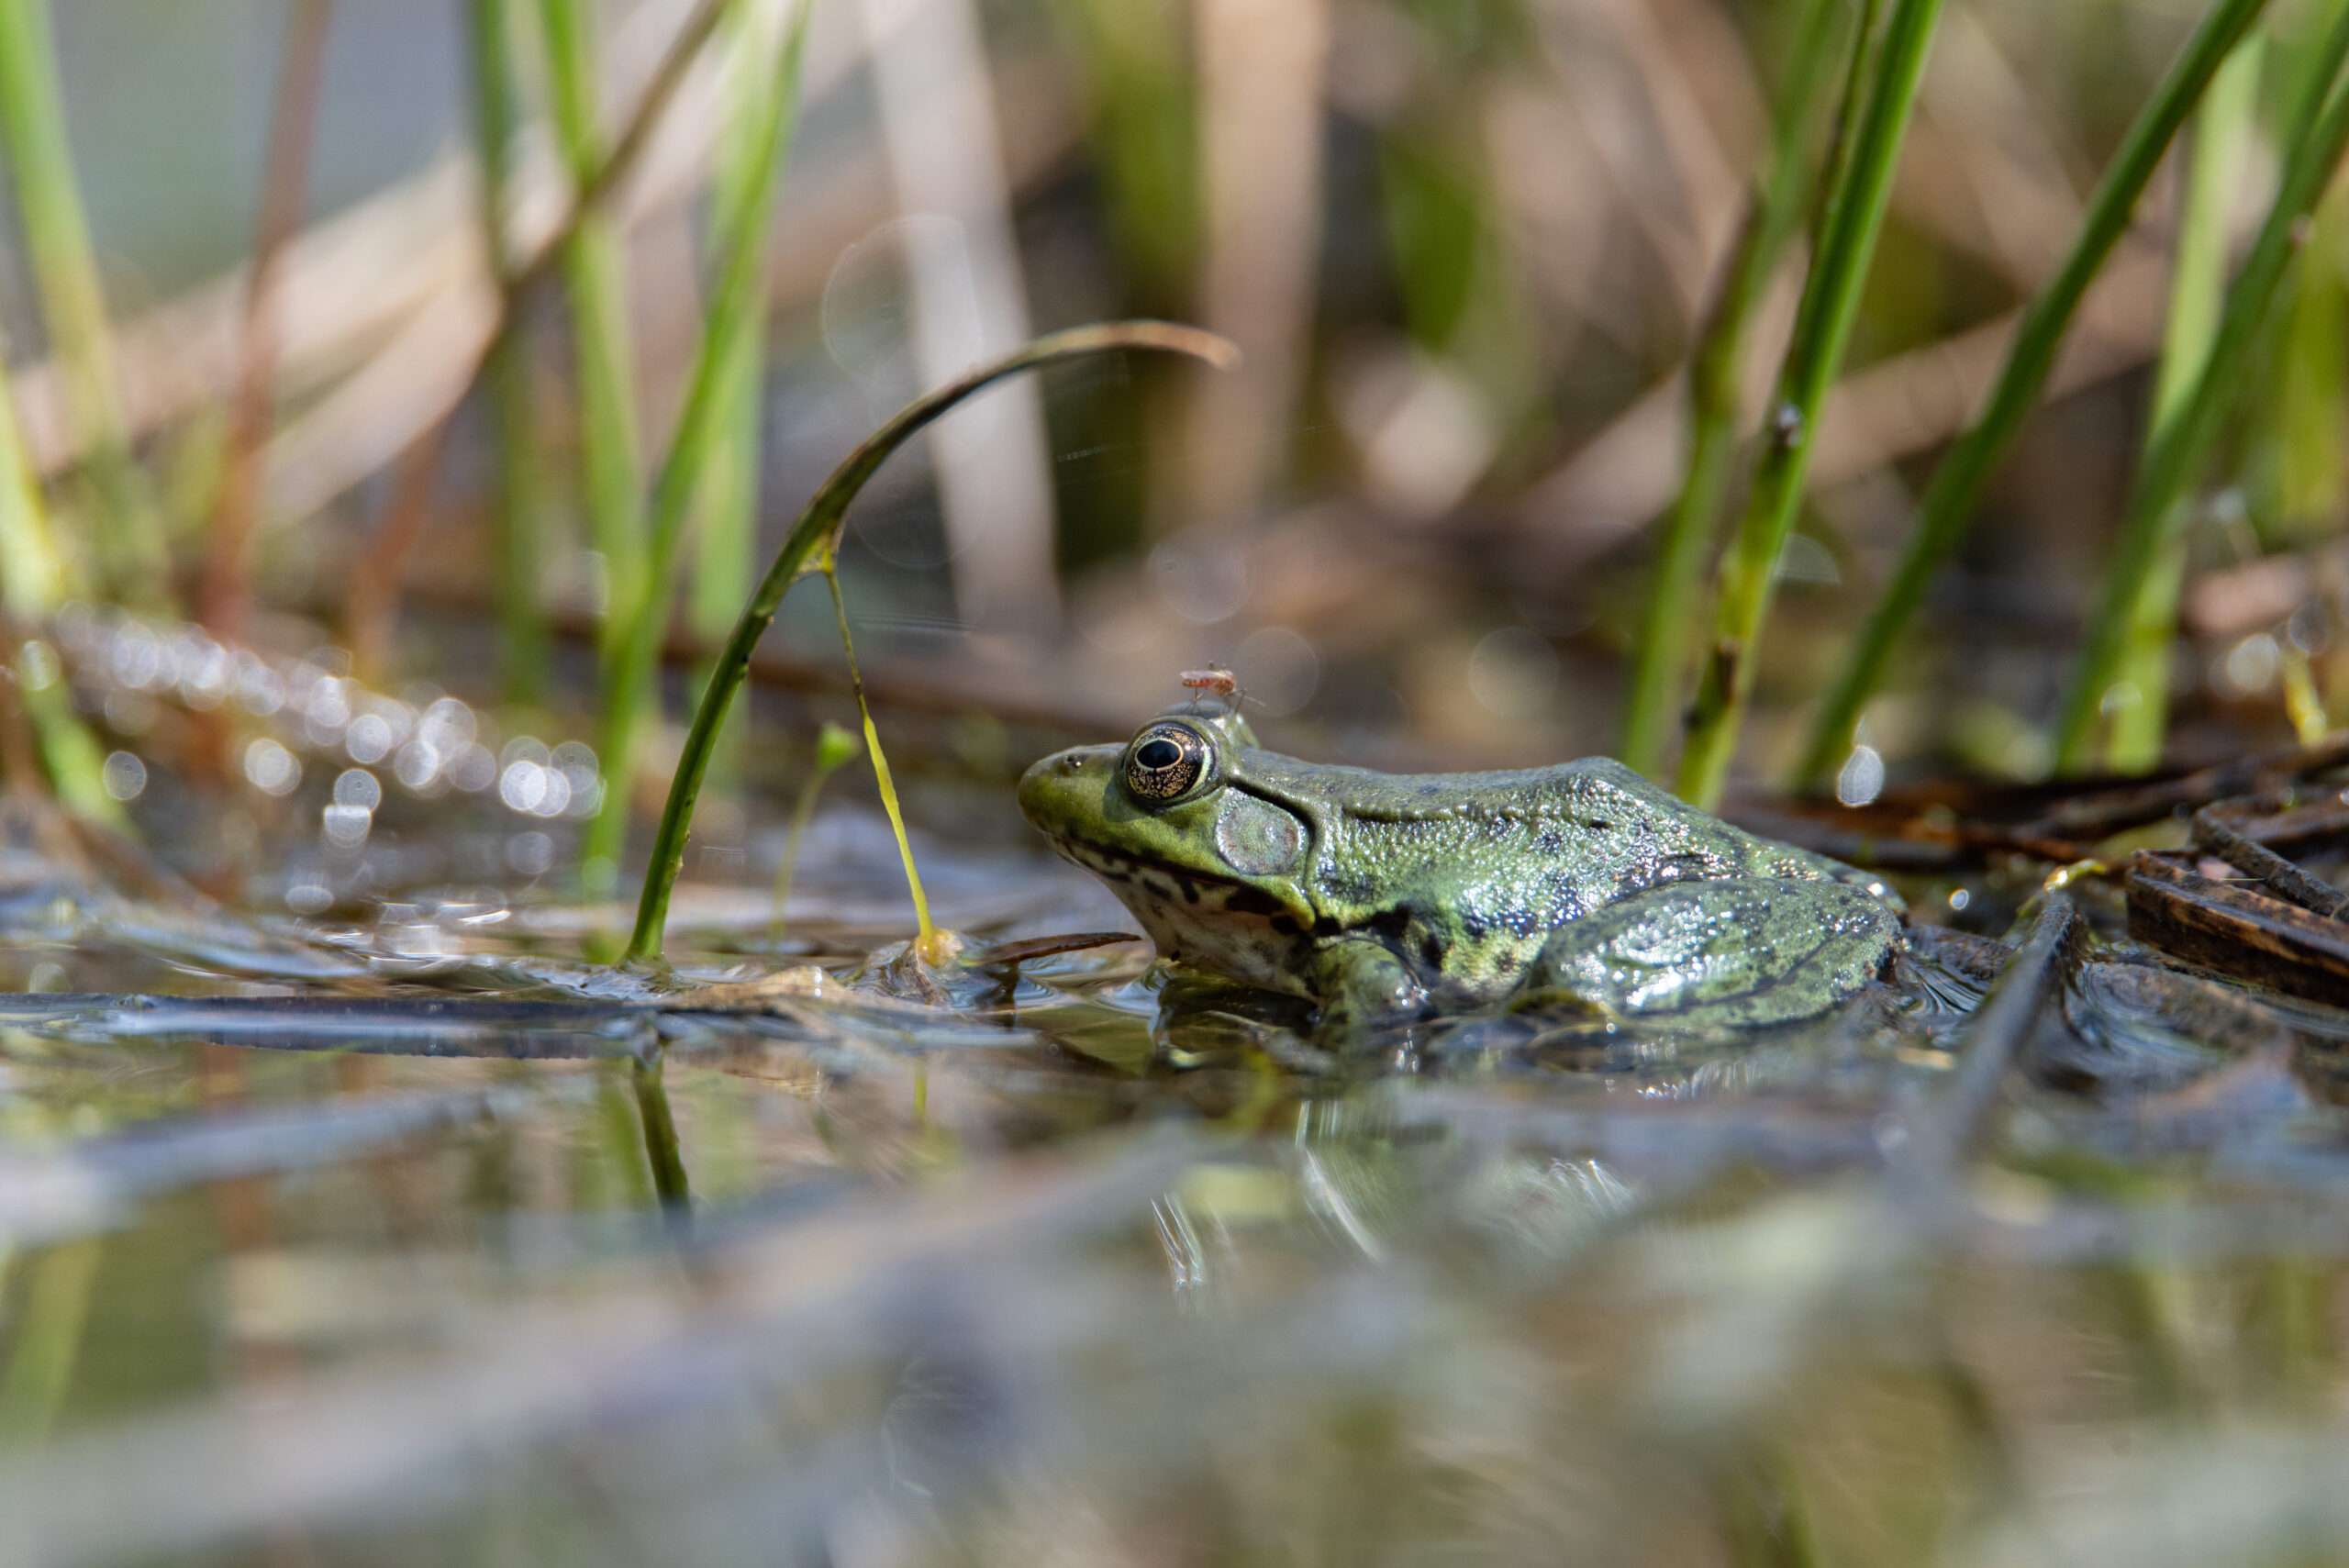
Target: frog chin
<point x="1189" y="918"/>
<point x="1238" y="947"/>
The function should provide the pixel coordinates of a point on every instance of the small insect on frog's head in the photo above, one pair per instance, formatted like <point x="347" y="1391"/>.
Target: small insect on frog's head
<point x="1215" y="682"/>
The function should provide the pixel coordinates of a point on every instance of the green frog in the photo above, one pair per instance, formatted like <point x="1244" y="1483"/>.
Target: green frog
<point x="1382" y="894"/>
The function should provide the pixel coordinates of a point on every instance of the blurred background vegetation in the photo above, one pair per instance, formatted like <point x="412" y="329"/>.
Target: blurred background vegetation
<point x="1469" y="248"/>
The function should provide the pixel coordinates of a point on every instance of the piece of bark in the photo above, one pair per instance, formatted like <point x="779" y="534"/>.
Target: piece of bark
<point x="2107" y="811"/>
<point x="2254" y="859"/>
<point x="2297" y="827"/>
<point x="2238" y="932"/>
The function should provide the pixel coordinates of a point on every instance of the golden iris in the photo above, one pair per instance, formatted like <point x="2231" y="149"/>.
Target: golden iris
<point x="1165" y="762"/>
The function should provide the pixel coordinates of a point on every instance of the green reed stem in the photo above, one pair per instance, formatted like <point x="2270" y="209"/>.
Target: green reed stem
<point x="810" y="540"/>
<point x="726" y="519"/>
<point x="34" y="580"/>
<point x="72" y="762"/>
<point x="1716" y="374"/>
<point x="1957" y="482"/>
<point x="520" y="516"/>
<point x="33" y="574"/>
<point x="595" y="271"/>
<point x="2198" y="290"/>
<point x="1852" y="218"/>
<point x="65" y="273"/>
<point x="2316" y="133"/>
<point x="640" y="601"/>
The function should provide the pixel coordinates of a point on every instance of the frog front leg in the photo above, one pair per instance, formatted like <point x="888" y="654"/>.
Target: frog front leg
<point x="1362" y="983"/>
<point x="1740" y="953"/>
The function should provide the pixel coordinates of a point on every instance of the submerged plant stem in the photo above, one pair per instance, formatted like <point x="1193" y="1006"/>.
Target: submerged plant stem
<point x="2315" y="135"/>
<point x="1957" y="482"/>
<point x="55" y="1320"/>
<point x="1716" y="373"/>
<point x="810" y="540"/>
<point x="662" y="1151"/>
<point x="1851" y="217"/>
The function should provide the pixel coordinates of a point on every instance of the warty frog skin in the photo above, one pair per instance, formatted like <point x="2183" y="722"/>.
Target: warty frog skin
<point x="1382" y="894"/>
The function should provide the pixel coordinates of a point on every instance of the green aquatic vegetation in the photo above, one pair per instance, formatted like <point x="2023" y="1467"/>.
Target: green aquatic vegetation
<point x="1658" y="685"/>
<point x="1957" y="481"/>
<point x="519" y="502"/>
<point x="34" y="579"/>
<point x="2134" y="597"/>
<point x="1852" y="214"/>
<point x="33" y="572"/>
<point x="809" y="548"/>
<point x="661" y="1150"/>
<point x="52" y="1324"/>
<point x="926" y="943"/>
<point x="611" y="465"/>
<point x="1139" y="91"/>
<point x="2215" y="169"/>
<point x="65" y="271"/>
<point x="835" y="749"/>
<point x="708" y="429"/>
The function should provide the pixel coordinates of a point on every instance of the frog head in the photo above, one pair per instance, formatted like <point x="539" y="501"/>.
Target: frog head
<point x="1214" y="866"/>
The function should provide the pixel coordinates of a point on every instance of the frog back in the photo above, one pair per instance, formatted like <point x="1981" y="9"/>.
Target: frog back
<point x="1465" y="874"/>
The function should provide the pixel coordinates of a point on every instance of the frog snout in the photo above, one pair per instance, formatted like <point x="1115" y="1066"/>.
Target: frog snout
<point x="1047" y="789"/>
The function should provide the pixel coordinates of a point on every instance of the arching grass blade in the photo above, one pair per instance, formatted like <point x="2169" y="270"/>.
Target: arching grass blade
<point x="809" y="545"/>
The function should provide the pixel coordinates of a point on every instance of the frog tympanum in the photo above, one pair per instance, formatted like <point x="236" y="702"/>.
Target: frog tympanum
<point x="1377" y="895"/>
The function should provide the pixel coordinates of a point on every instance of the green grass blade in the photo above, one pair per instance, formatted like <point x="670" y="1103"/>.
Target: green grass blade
<point x="1660" y="663"/>
<point x="1144" y="133"/>
<point x="34" y="580"/>
<point x="519" y="505"/>
<point x="2315" y="136"/>
<point x="595" y="269"/>
<point x="2306" y="401"/>
<point x="2198" y="292"/>
<point x="726" y="519"/>
<point x="811" y="537"/>
<point x="1852" y="217"/>
<point x="1957" y="482"/>
<point x="639" y="609"/>
<point x="65" y="273"/>
<point x="33" y="575"/>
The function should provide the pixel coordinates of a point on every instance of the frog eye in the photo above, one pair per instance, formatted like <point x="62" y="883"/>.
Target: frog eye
<point x="1165" y="762"/>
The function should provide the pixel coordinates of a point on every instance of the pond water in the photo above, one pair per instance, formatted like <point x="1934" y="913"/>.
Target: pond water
<point x="364" y="1216"/>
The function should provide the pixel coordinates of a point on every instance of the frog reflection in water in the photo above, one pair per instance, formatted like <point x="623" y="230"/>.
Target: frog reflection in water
<point x="1379" y="895"/>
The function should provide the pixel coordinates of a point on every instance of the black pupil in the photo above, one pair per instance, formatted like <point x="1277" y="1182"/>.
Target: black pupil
<point x="1157" y="754"/>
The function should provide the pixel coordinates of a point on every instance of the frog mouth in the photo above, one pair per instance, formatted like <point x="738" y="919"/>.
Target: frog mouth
<point x="1117" y="864"/>
<point x="1170" y="883"/>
